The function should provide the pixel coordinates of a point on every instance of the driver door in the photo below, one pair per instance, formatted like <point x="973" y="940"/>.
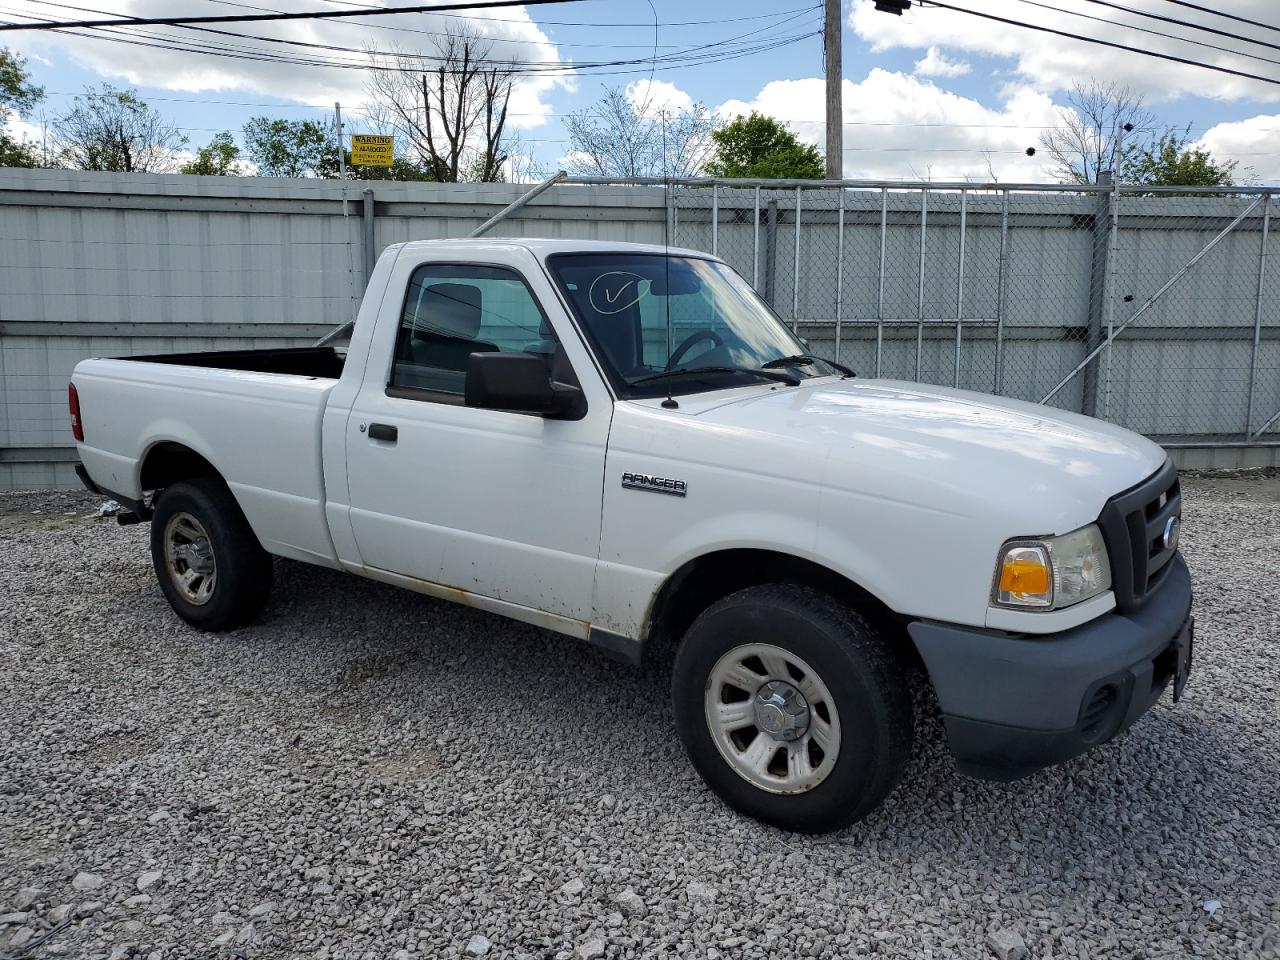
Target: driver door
<point x="505" y="505"/>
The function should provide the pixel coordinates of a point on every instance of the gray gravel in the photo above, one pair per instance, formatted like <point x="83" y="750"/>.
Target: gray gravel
<point x="369" y="773"/>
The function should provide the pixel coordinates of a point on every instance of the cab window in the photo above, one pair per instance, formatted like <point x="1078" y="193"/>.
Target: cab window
<point x="454" y="310"/>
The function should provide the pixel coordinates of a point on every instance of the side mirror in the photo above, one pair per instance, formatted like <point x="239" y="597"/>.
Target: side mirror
<point x="519" y="382"/>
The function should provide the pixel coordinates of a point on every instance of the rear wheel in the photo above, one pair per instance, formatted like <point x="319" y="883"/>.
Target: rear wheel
<point x="792" y="708"/>
<point x="211" y="568"/>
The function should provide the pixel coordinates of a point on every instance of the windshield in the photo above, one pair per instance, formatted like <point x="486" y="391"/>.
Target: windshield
<point x="649" y="314"/>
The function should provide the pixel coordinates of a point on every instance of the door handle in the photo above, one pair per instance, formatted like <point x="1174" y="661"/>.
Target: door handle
<point x="383" y="431"/>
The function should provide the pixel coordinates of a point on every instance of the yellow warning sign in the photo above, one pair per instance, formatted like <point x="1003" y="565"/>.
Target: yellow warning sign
<point x="370" y="150"/>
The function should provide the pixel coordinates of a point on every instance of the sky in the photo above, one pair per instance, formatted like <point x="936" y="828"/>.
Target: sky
<point x="935" y="94"/>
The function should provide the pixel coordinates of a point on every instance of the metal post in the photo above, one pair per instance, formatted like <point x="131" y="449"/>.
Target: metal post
<point x="884" y="230"/>
<point x="1002" y="289"/>
<point x="755" y="242"/>
<point x="964" y="205"/>
<point x="370" y="248"/>
<point x="368" y="238"/>
<point x="795" y="274"/>
<point x="342" y="155"/>
<point x="924" y="220"/>
<point x="771" y="254"/>
<point x="839" y="269"/>
<point x="1257" y="311"/>
<point x="1099" y="264"/>
<point x="715" y="219"/>
<point x="517" y="203"/>
<point x="1117" y="140"/>
<point x="1152" y="300"/>
<point x="1110" y="293"/>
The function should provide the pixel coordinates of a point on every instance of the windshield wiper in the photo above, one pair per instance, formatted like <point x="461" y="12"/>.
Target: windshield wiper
<point x="804" y="360"/>
<point x="775" y="375"/>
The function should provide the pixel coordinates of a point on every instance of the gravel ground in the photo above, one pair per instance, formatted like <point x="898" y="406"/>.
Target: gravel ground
<point x="369" y="773"/>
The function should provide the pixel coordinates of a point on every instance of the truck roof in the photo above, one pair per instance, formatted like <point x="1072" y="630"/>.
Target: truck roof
<point x="543" y="247"/>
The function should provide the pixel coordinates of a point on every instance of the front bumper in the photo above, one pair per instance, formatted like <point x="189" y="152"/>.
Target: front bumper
<point x="1014" y="704"/>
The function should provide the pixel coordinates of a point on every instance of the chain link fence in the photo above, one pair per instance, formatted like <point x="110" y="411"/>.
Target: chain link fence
<point x="1148" y="307"/>
<point x="1155" y="309"/>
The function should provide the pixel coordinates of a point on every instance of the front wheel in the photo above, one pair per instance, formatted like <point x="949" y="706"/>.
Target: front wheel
<point x="792" y="708"/>
<point x="211" y="568"/>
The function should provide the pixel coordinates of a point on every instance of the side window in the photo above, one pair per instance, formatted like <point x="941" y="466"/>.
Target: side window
<point x="454" y="310"/>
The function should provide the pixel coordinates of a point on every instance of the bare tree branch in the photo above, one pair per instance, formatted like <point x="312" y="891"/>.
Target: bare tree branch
<point x="453" y="116"/>
<point x="619" y="137"/>
<point x="1082" y="146"/>
<point x="111" y="129"/>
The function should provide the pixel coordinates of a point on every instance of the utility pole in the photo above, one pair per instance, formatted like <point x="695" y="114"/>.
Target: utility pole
<point x="835" y="107"/>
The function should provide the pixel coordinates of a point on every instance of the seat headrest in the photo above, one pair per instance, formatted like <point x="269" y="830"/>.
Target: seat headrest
<point x="452" y="309"/>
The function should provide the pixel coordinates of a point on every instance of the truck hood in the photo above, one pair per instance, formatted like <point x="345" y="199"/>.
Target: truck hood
<point x="890" y="438"/>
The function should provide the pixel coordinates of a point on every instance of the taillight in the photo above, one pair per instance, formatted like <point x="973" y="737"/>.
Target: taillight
<point x="73" y="401"/>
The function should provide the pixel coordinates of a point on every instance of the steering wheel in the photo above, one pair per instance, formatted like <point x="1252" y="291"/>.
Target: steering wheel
<point x="696" y="337"/>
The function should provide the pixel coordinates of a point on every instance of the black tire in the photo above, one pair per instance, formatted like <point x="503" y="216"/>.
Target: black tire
<point x="243" y="568"/>
<point x="866" y="684"/>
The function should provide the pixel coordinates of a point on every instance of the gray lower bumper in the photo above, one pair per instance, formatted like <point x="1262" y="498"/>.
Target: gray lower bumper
<point x="1013" y="704"/>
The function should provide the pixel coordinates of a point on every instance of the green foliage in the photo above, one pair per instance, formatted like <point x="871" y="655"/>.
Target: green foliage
<point x="221" y="158"/>
<point x="760" y="146"/>
<point x="1171" y="160"/>
<point x="289" y="148"/>
<point x="17" y="96"/>
<point x="401" y="169"/>
<point x="307" y="148"/>
<point x="112" y="129"/>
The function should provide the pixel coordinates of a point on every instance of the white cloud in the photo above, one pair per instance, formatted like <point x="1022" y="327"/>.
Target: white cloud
<point x="935" y="64"/>
<point x="656" y="96"/>
<point x="514" y="34"/>
<point x="1050" y="62"/>
<point x="1254" y="142"/>
<point x="897" y="125"/>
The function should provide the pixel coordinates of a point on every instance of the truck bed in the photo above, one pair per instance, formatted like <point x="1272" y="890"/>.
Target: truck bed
<point x="323" y="362"/>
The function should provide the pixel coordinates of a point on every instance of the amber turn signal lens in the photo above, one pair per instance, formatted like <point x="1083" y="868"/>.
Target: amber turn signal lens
<point x="1024" y="575"/>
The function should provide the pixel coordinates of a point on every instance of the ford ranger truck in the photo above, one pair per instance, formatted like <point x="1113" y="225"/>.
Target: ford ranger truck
<point x="623" y="443"/>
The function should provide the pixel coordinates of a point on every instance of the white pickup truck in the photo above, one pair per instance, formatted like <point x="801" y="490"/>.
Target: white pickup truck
<point x="622" y="442"/>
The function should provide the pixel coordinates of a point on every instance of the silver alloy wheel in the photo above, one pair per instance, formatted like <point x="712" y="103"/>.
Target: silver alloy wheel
<point x="772" y="718"/>
<point x="188" y="555"/>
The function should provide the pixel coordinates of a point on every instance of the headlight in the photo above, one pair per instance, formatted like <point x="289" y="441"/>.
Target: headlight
<point x="1052" y="573"/>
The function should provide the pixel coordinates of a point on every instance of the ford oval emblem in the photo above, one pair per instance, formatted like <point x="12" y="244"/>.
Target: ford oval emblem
<point x="1172" y="527"/>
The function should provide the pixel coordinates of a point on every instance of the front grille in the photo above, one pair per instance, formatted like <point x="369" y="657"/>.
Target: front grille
<point x="1133" y="525"/>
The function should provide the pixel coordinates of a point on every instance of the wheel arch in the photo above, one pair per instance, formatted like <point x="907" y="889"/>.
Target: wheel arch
<point x="702" y="581"/>
<point x="168" y="461"/>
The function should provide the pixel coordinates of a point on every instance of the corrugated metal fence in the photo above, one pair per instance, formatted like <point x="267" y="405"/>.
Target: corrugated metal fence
<point x="996" y="288"/>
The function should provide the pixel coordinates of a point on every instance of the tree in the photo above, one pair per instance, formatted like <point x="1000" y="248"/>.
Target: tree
<point x="221" y="158"/>
<point x="1171" y="160"/>
<point x="453" y="117"/>
<point x="289" y="148"/>
<point x="17" y="96"/>
<point x="308" y="148"/>
<point x="620" y="137"/>
<point x="111" y="129"/>
<point x="1082" y="146"/>
<point x="760" y="146"/>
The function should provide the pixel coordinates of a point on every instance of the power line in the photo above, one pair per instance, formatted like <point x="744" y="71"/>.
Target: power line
<point x="552" y="23"/>
<point x="1105" y="43"/>
<point x="1183" y="23"/>
<point x="704" y="53"/>
<point x="780" y="16"/>
<point x="1155" y="33"/>
<point x="518" y="69"/>
<point x="259" y="17"/>
<point x="1228" y="16"/>
<point x="404" y="55"/>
